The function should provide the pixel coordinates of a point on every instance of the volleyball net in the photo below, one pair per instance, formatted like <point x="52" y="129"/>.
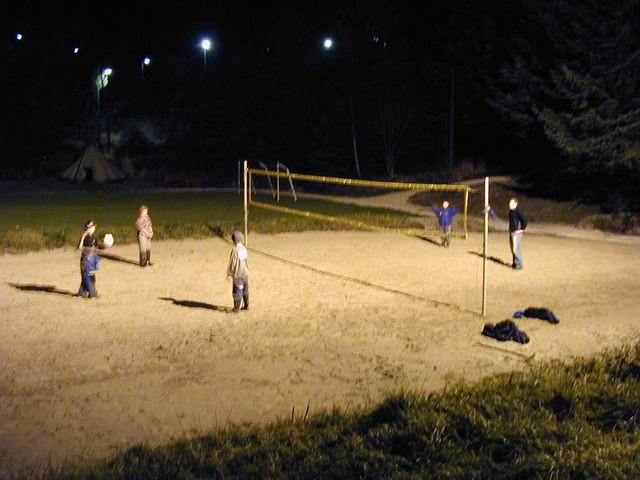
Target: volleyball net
<point x="335" y="203"/>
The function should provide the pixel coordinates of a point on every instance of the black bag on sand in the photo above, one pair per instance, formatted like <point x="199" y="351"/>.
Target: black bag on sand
<point x="505" y="330"/>
<point x="542" y="314"/>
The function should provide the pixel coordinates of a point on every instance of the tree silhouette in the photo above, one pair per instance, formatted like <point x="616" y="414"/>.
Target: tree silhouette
<point x="572" y="75"/>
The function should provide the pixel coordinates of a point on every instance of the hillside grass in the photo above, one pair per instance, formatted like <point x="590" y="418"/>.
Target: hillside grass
<point x="34" y="222"/>
<point x="577" y="420"/>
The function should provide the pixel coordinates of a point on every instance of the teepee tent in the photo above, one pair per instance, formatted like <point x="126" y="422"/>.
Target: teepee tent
<point x="92" y="166"/>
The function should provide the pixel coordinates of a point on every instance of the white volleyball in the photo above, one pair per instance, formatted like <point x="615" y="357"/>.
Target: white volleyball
<point x="108" y="240"/>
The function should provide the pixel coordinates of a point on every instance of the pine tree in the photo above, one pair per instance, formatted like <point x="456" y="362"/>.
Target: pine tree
<point x="572" y="75"/>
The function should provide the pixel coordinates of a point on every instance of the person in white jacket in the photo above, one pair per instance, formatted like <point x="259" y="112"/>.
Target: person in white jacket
<point x="238" y="271"/>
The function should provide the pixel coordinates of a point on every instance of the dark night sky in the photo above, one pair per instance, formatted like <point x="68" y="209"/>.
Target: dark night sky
<point x="119" y="30"/>
<point x="289" y="101"/>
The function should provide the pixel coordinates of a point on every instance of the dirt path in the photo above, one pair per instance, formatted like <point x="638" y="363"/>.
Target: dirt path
<point x="400" y="201"/>
<point x="348" y="317"/>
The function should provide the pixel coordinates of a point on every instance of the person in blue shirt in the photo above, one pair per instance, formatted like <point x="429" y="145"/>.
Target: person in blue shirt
<point x="89" y="260"/>
<point x="445" y="219"/>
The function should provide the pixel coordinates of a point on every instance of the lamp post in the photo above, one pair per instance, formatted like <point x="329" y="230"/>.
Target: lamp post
<point x="101" y="82"/>
<point x="145" y="61"/>
<point x="206" y="46"/>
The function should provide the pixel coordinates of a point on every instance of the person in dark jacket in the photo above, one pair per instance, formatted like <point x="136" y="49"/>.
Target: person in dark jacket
<point x="517" y="226"/>
<point x="89" y="260"/>
<point x="445" y="219"/>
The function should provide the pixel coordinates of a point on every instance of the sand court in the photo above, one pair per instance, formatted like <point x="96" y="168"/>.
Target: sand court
<point x="336" y="319"/>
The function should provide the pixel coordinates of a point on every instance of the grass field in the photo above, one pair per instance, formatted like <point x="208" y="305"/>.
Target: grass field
<point x="34" y="222"/>
<point x="580" y="420"/>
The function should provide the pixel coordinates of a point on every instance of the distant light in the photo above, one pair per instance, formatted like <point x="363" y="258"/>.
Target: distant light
<point x="375" y="39"/>
<point x="107" y="71"/>
<point x="18" y="36"/>
<point x="206" y="44"/>
<point x="328" y="43"/>
<point x="76" y="50"/>
<point x="146" y="60"/>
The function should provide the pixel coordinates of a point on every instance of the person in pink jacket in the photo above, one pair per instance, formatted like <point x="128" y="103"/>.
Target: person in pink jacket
<point x="145" y="233"/>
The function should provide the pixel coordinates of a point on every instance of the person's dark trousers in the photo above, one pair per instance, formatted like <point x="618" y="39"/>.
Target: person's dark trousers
<point x="145" y="250"/>
<point x="240" y="292"/>
<point x="446" y="241"/>
<point x="87" y="285"/>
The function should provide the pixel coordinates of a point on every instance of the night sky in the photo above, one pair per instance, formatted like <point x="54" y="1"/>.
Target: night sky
<point x="423" y="88"/>
<point x="119" y="31"/>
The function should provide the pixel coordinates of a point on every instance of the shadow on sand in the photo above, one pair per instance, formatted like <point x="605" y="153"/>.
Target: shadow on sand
<point x="118" y="258"/>
<point x="493" y="259"/>
<point x="30" y="287"/>
<point x="193" y="304"/>
<point x="437" y="243"/>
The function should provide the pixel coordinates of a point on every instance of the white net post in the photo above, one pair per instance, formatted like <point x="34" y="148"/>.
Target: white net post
<point x="485" y="246"/>
<point x="246" y="203"/>
<point x="283" y="167"/>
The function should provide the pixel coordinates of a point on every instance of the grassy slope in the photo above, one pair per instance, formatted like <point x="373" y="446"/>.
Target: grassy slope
<point x="556" y="421"/>
<point x="32" y="222"/>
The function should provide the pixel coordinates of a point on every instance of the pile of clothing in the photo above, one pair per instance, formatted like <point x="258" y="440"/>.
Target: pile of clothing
<point x="505" y="330"/>
<point x="537" y="312"/>
<point x="508" y="330"/>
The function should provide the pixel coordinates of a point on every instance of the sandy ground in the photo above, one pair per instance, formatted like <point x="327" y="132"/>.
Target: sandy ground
<point x="345" y="319"/>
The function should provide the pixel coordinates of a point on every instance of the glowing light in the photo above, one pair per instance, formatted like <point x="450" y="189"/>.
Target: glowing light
<point x="206" y="44"/>
<point x="18" y="36"/>
<point x="146" y="60"/>
<point x="107" y="71"/>
<point x="328" y="43"/>
<point x="76" y="50"/>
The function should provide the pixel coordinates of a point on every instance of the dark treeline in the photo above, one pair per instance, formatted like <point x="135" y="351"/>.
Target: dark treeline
<point x="546" y="88"/>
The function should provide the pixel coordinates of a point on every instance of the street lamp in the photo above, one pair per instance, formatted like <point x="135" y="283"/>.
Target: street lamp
<point x="76" y="50"/>
<point x="328" y="43"/>
<point x="18" y="36"/>
<point x="206" y="46"/>
<point x="145" y="61"/>
<point x="102" y="81"/>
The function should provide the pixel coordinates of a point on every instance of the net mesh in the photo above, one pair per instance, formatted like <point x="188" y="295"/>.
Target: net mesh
<point x="344" y="203"/>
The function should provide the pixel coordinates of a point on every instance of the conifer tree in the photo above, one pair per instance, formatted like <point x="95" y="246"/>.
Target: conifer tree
<point x="573" y="74"/>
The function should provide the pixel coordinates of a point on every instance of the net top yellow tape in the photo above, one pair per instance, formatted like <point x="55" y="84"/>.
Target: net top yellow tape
<point x="425" y="187"/>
